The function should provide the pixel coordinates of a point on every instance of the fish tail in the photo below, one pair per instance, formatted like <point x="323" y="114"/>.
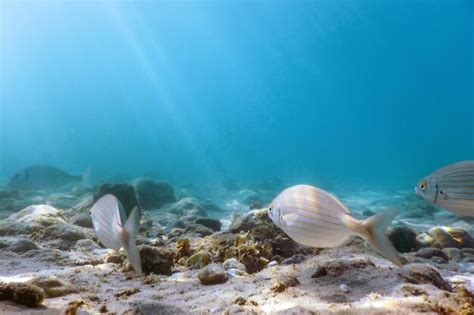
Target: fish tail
<point x="130" y="242"/>
<point x="373" y="230"/>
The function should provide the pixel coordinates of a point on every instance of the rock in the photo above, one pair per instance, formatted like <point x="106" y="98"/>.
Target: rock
<point x="423" y="274"/>
<point x="213" y="224"/>
<point x="199" y="260"/>
<point x="452" y="253"/>
<point x="344" y="288"/>
<point x="284" y="246"/>
<point x="336" y="268"/>
<point x="124" y="192"/>
<point x="284" y="283"/>
<point x="240" y="300"/>
<point x="175" y="223"/>
<point x="53" y="286"/>
<point x="233" y="263"/>
<point x="403" y="238"/>
<point x="114" y="259"/>
<point x="17" y="244"/>
<point x="183" y="248"/>
<point x="467" y="251"/>
<point x="430" y="252"/>
<point x="212" y="275"/>
<point x="272" y="263"/>
<point x="82" y="219"/>
<point x="21" y="293"/>
<point x="157" y="260"/>
<point x="296" y="259"/>
<point x="153" y="195"/>
<point x="443" y="237"/>
<point x="31" y="219"/>
<point x="321" y="271"/>
<point x="438" y="260"/>
<point x="197" y="230"/>
<point x="186" y="206"/>
<point x="67" y="234"/>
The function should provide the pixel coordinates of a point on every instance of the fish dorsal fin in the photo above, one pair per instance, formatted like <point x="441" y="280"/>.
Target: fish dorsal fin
<point x="107" y="215"/>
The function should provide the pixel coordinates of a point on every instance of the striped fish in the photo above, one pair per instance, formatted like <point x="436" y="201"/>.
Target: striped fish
<point x="451" y="188"/>
<point x="314" y="217"/>
<point x="114" y="230"/>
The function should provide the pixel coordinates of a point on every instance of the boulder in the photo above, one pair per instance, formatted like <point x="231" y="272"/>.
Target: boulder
<point x="430" y="252"/>
<point x="444" y="237"/>
<point x="124" y="192"/>
<point x="21" y="293"/>
<point x="403" y="238"/>
<point x="213" y="224"/>
<point x="53" y="286"/>
<point x="64" y="236"/>
<point x="17" y="244"/>
<point x="152" y="194"/>
<point x="157" y="260"/>
<point x="424" y="274"/>
<point x="31" y="219"/>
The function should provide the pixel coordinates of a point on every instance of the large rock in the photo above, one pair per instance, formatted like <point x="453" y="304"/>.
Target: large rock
<point x="64" y="236"/>
<point x="424" y="274"/>
<point x="153" y="195"/>
<point x="187" y="206"/>
<point x="403" y="238"/>
<point x="16" y="244"/>
<point x="31" y="219"/>
<point x="444" y="237"/>
<point x="124" y="192"/>
<point x="157" y="260"/>
<point x="52" y="286"/>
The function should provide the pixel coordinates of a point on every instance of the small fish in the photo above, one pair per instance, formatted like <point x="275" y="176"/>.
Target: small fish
<point x="108" y="217"/>
<point x="314" y="217"/>
<point x="451" y="188"/>
<point x="36" y="177"/>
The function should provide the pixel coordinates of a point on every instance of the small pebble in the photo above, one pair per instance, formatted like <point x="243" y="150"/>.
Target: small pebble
<point x="272" y="263"/>
<point x="344" y="288"/>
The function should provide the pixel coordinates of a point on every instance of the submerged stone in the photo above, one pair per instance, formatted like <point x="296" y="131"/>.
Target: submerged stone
<point x="53" y="286"/>
<point x="430" y="252"/>
<point x="157" y="260"/>
<point x="212" y="275"/>
<point x="424" y="274"/>
<point x="124" y="192"/>
<point x="31" y="219"/>
<point x="403" y="238"/>
<point x="21" y="293"/>
<point x="153" y="195"/>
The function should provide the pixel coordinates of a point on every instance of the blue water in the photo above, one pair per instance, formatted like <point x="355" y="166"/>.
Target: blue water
<point x="356" y="93"/>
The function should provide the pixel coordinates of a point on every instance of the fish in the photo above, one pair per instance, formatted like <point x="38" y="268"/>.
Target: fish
<point x="451" y="188"/>
<point x="38" y="177"/>
<point x="116" y="231"/>
<point x="315" y="218"/>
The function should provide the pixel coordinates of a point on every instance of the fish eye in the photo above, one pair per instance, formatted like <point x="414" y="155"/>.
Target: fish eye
<point x="423" y="185"/>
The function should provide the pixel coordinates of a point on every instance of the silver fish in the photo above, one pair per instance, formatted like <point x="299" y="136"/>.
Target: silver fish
<point x="451" y="188"/>
<point x="114" y="230"/>
<point x="36" y="177"/>
<point x="314" y="217"/>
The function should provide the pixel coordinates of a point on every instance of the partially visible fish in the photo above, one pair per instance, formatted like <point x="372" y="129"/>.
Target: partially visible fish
<point x="114" y="230"/>
<point x="451" y="188"/>
<point x="37" y="177"/>
<point x="314" y="217"/>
